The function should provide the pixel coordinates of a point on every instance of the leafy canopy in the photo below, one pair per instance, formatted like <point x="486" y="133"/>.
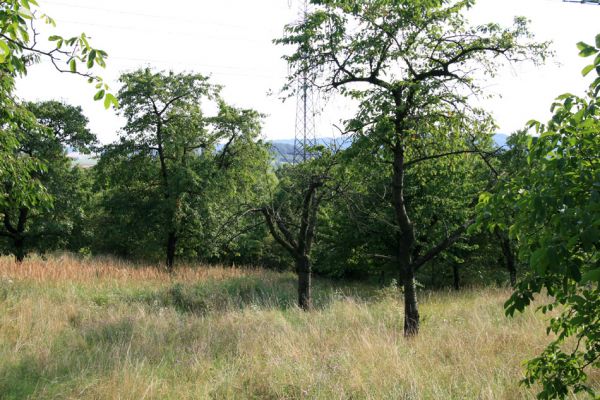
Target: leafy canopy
<point x="555" y="200"/>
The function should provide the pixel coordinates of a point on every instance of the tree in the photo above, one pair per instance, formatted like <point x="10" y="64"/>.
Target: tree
<point x="292" y="215"/>
<point x="172" y="158"/>
<point x="410" y="64"/>
<point x="555" y="199"/>
<point x="512" y="161"/>
<point x="27" y="223"/>
<point x="20" y="48"/>
<point x="358" y="239"/>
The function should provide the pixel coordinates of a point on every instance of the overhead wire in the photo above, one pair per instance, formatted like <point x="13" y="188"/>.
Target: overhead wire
<point x="176" y="20"/>
<point x="213" y="69"/>
<point x="163" y="31"/>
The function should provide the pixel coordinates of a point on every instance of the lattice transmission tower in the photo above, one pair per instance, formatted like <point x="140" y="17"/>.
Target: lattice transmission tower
<point x="306" y="108"/>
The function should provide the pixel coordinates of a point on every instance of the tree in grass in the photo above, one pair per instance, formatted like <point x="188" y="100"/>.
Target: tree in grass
<point x="293" y="212"/>
<point x="411" y="66"/>
<point x="28" y="225"/>
<point x="20" y="47"/>
<point x="555" y="204"/>
<point x="358" y="238"/>
<point x="163" y="182"/>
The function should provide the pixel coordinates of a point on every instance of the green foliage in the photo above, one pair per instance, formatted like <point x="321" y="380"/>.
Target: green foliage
<point x="25" y="145"/>
<point x="556" y="202"/>
<point x="358" y="236"/>
<point x="46" y="223"/>
<point x="409" y="65"/>
<point x="177" y="174"/>
<point x="19" y="47"/>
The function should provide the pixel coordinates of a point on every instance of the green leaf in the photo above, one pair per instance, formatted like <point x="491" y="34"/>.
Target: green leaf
<point x="99" y="94"/>
<point x="4" y="51"/>
<point x="589" y="238"/>
<point x="110" y="100"/>
<point x="591" y="276"/>
<point x="538" y="261"/>
<point x="73" y="65"/>
<point x="585" y="50"/>
<point x="598" y="40"/>
<point x="587" y="69"/>
<point x="91" y="57"/>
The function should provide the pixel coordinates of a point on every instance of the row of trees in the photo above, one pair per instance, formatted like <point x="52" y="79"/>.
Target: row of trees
<point x="185" y="182"/>
<point x="420" y="190"/>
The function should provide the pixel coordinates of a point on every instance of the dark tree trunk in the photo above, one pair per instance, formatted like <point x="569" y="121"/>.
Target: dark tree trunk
<point x="19" y="244"/>
<point x="512" y="271"/>
<point x="456" y="276"/>
<point x="509" y="258"/>
<point x="171" y="246"/>
<point x="17" y="234"/>
<point x="411" y="307"/>
<point x="406" y="241"/>
<point x="304" y="271"/>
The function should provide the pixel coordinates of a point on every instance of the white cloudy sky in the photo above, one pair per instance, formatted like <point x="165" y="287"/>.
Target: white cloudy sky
<point x="232" y="41"/>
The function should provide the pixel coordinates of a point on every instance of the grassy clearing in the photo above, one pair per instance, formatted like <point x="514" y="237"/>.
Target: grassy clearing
<point x="104" y="330"/>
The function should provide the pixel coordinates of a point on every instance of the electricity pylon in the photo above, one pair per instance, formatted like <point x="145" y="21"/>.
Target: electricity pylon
<point x="306" y="109"/>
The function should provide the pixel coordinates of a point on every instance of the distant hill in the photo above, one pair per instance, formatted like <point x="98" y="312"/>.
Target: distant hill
<point x="282" y="149"/>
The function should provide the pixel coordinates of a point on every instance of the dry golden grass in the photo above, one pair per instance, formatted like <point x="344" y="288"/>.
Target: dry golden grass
<point x="66" y="268"/>
<point x="101" y="330"/>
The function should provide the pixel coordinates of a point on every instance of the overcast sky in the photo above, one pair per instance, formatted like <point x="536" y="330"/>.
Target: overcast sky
<point x="232" y="41"/>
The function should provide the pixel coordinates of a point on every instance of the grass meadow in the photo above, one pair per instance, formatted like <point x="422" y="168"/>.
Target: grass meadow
<point x="103" y="329"/>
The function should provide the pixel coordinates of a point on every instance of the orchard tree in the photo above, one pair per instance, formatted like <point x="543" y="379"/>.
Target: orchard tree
<point x="555" y="203"/>
<point x="293" y="212"/>
<point x="172" y="157"/>
<point x="28" y="224"/>
<point x="411" y="65"/>
<point x="20" y="47"/>
<point x="359" y="239"/>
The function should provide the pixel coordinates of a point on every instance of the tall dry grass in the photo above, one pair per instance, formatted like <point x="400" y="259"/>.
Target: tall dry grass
<point x="67" y="268"/>
<point x="103" y="330"/>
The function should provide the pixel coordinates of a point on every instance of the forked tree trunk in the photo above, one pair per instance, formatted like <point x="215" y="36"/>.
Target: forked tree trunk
<point x="304" y="271"/>
<point x="171" y="246"/>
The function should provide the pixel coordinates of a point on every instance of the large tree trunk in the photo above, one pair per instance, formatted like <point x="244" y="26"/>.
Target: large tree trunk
<point x="171" y="246"/>
<point x="19" y="243"/>
<point x="406" y="242"/>
<point x="304" y="271"/>
<point x="411" y="307"/>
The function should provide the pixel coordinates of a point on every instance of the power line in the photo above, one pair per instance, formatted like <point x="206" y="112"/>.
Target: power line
<point x="180" y="61"/>
<point x="164" y="32"/>
<point x="152" y="16"/>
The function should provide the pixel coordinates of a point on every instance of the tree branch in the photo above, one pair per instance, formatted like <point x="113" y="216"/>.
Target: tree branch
<point x="443" y="245"/>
